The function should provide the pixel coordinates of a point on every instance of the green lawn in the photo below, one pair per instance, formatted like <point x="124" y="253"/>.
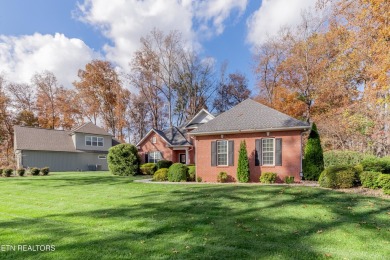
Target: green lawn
<point x="100" y="216"/>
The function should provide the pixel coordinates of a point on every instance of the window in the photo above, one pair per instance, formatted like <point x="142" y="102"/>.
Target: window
<point x="268" y="151"/>
<point x="94" y="141"/>
<point x="222" y="153"/>
<point x="154" y="157"/>
<point x="154" y="140"/>
<point x="102" y="157"/>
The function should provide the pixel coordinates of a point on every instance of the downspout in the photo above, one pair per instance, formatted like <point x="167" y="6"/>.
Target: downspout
<point x="301" y="172"/>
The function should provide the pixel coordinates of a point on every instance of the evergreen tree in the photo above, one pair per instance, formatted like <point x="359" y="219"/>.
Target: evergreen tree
<point x="313" y="163"/>
<point x="243" y="164"/>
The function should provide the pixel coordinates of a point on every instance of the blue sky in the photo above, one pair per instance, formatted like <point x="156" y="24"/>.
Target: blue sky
<point x="62" y="36"/>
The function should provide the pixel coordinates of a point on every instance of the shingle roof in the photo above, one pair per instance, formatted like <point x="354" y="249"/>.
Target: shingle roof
<point x="249" y="115"/>
<point x="90" y="128"/>
<point x="174" y="136"/>
<point x="39" y="139"/>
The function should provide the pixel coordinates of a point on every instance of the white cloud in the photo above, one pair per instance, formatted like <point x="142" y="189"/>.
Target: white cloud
<point x="272" y="15"/>
<point x="125" y="22"/>
<point x="21" y="57"/>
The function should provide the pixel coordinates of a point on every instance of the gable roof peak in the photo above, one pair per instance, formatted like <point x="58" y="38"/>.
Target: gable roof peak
<point x="90" y="128"/>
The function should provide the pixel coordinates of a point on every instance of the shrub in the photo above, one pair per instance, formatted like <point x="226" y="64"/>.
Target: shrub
<point x="376" y="164"/>
<point x="45" y="171"/>
<point x="1" y="172"/>
<point x="8" y="172"/>
<point x="243" y="164"/>
<point x="384" y="182"/>
<point x="369" y="179"/>
<point x="148" y="168"/>
<point x="313" y="164"/>
<point x="161" y="175"/>
<point x="334" y="158"/>
<point x="268" y="177"/>
<point x="123" y="159"/>
<point x="34" y="171"/>
<point x="289" y="179"/>
<point x="198" y="179"/>
<point x="177" y="172"/>
<point x="335" y="177"/>
<point x="163" y="164"/>
<point x="222" y="177"/>
<point x="21" y="171"/>
<point x="191" y="173"/>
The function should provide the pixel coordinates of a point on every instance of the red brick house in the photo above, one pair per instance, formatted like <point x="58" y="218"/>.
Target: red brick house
<point x="174" y="143"/>
<point x="273" y="140"/>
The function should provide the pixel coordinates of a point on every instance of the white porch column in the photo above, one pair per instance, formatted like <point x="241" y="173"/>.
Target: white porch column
<point x="187" y="157"/>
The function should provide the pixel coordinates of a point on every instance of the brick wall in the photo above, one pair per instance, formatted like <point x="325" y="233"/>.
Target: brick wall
<point x="291" y="156"/>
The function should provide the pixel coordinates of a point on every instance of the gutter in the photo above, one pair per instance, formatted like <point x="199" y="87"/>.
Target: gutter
<point x="304" y="128"/>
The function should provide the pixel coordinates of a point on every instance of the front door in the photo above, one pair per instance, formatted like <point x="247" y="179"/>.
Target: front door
<point x="182" y="158"/>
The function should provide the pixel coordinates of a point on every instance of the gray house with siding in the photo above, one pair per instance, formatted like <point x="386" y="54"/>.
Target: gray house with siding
<point x="81" y="149"/>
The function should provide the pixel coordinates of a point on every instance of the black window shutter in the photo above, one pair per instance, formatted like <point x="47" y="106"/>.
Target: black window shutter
<point x="258" y="152"/>
<point x="231" y="153"/>
<point x="278" y="152"/>
<point x="213" y="153"/>
<point x="146" y="157"/>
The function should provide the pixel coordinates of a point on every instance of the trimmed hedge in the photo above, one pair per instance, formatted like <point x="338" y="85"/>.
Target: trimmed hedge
<point x="268" y="177"/>
<point x="34" y="171"/>
<point x="369" y="179"/>
<point x="376" y="164"/>
<point x="191" y="173"/>
<point x="161" y="175"/>
<point x="163" y="164"/>
<point x="177" y="172"/>
<point x="384" y="182"/>
<point x="45" y="171"/>
<point x="8" y="172"/>
<point x="335" y="157"/>
<point x="222" y="177"/>
<point x="124" y="160"/>
<point x="148" y="168"/>
<point x="336" y="177"/>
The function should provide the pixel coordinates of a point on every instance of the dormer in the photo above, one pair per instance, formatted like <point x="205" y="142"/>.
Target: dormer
<point x="89" y="137"/>
<point x="202" y="117"/>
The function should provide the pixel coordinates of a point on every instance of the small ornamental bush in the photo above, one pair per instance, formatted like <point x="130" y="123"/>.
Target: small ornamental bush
<point x="8" y="172"/>
<point x="334" y="158"/>
<point x="148" y="168"/>
<point x="268" y="177"/>
<point x="124" y="160"/>
<point x="384" y="182"/>
<point x="369" y="179"/>
<point x="45" y="171"/>
<point x="198" y="179"/>
<point x="177" y="172"/>
<point x="289" y="179"/>
<point x="243" y="164"/>
<point x="34" y="171"/>
<point x="191" y="173"/>
<point x="222" y="177"/>
<point x="161" y="175"/>
<point x="376" y="164"/>
<point x="21" y="171"/>
<point x="313" y="164"/>
<point x="163" y="164"/>
<point x="1" y="172"/>
<point x="342" y="176"/>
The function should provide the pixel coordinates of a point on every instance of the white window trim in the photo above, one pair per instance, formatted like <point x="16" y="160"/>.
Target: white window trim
<point x="227" y="153"/>
<point x="154" y="140"/>
<point x="154" y="157"/>
<point x="262" y="152"/>
<point x="97" y="138"/>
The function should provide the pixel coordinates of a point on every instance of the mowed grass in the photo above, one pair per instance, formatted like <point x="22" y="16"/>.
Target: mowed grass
<point x="100" y="216"/>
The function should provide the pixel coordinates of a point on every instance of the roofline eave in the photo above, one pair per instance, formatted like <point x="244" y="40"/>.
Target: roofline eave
<point x="304" y="128"/>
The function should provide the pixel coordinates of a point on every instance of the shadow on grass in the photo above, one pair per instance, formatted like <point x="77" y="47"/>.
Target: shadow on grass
<point x="213" y="222"/>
